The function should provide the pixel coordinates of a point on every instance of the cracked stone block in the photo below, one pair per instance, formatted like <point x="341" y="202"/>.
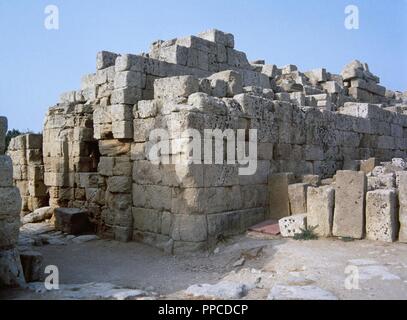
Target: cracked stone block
<point x="381" y="215"/>
<point x="290" y="226"/>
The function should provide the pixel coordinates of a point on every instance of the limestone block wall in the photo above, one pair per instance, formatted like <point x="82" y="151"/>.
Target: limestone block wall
<point x="28" y="171"/>
<point x="11" y="273"/>
<point x="97" y="139"/>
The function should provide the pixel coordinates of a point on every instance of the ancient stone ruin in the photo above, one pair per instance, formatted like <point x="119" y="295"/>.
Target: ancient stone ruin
<point x="11" y="272"/>
<point x="99" y="148"/>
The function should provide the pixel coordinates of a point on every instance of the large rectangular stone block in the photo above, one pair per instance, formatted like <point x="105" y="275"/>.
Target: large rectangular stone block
<point x="297" y="194"/>
<point x="381" y="215"/>
<point x="71" y="220"/>
<point x="174" y="87"/>
<point x="349" y="217"/>
<point x="278" y="190"/>
<point x="320" y="209"/>
<point x="403" y="207"/>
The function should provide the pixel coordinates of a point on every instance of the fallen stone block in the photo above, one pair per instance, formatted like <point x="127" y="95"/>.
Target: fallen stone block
<point x="38" y="215"/>
<point x="320" y="209"/>
<point x="290" y="226"/>
<point x="349" y="213"/>
<point x="381" y="215"/>
<point x="71" y="220"/>
<point x="32" y="263"/>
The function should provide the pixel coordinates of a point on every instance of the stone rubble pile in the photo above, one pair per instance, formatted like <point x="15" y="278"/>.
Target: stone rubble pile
<point x="97" y="143"/>
<point x="11" y="272"/>
<point x="362" y="84"/>
<point x="370" y="203"/>
<point x="28" y="171"/>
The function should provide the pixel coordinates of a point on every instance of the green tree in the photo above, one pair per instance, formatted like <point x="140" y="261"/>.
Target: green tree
<point x="10" y="135"/>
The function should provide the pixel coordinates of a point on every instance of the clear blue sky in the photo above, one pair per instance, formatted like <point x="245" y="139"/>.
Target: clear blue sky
<point x="38" y="64"/>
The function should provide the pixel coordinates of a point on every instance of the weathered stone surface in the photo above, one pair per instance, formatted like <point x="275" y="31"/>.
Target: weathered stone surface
<point x="71" y="220"/>
<point x="10" y="201"/>
<point x="368" y="165"/>
<point x="290" y="226"/>
<point x="381" y="215"/>
<point x="222" y="290"/>
<point x="320" y="204"/>
<point x="283" y="292"/>
<point x="297" y="194"/>
<point x="349" y="213"/>
<point x="32" y="263"/>
<point x="278" y="190"/>
<point x="6" y="171"/>
<point x="403" y="207"/>
<point x="11" y="272"/>
<point x="175" y="87"/>
<point x="38" y="215"/>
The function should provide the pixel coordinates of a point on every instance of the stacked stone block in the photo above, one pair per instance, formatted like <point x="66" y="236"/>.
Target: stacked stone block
<point x="28" y="171"/>
<point x="11" y="273"/>
<point x="97" y="140"/>
<point x="362" y="84"/>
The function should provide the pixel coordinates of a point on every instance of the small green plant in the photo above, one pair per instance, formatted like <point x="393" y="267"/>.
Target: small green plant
<point x="347" y="239"/>
<point x="307" y="234"/>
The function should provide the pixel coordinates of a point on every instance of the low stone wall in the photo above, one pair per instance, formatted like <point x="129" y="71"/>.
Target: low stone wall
<point x="11" y="273"/>
<point x="370" y="204"/>
<point x="28" y="171"/>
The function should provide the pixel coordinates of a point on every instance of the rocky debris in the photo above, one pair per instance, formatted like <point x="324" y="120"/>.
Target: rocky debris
<point x="39" y="215"/>
<point x="11" y="273"/>
<point x="309" y="292"/>
<point x="32" y="263"/>
<point x="71" y="220"/>
<point x="222" y="290"/>
<point x="90" y="291"/>
<point x="290" y="226"/>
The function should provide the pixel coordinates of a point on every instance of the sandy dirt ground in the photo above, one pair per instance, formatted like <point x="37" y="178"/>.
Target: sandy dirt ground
<point x="267" y="267"/>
